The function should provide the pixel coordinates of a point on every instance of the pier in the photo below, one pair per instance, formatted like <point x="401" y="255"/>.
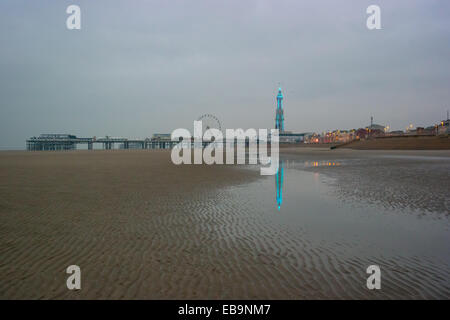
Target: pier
<point x="56" y="142"/>
<point x="70" y="142"/>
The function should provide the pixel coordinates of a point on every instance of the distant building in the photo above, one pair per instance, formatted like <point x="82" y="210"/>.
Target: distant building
<point x="161" y="136"/>
<point x="56" y="136"/>
<point x="443" y="127"/>
<point x="375" y="126"/>
<point x="362" y="133"/>
<point x="289" y="137"/>
<point x="430" y="130"/>
<point x="396" y="133"/>
<point x="375" y="129"/>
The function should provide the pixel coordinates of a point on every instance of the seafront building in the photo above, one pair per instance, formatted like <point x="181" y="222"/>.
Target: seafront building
<point x="285" y="136"/>
<point x="444" y="127"/>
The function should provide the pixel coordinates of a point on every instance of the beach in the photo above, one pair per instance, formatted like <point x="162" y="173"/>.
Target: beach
<point x="140" y="227"/>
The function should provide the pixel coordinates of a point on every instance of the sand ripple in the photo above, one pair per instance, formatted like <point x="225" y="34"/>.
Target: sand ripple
<point x="213" y="243"/>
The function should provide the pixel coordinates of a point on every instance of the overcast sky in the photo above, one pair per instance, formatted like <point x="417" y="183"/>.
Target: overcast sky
<point x="141" y="67"/>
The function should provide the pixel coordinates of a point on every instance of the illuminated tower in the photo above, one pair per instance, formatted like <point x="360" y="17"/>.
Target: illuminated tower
<point x="279" y="116"/>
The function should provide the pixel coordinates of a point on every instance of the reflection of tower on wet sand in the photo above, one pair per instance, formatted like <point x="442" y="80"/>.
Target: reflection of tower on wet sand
<point x="279" y="184"/>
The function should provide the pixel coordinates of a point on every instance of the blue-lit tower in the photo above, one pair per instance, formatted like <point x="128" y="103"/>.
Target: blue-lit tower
<point x="279" y="115"/>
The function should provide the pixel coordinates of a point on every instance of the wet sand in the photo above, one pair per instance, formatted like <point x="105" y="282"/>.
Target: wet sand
<point x="142" y="228"/>
<point x="355" y="208"/>
<point x="418" y="180"/>
<point x="129" y="219"/>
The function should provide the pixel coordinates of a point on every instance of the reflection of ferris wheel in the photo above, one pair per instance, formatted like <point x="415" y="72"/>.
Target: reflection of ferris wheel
<point x="209" y="121"/>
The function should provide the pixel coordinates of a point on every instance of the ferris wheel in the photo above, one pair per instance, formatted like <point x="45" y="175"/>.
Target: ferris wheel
<point x="209" y="121"/>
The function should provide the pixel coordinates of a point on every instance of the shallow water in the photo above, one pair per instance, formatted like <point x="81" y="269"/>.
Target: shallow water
<point x="313" y="224"/>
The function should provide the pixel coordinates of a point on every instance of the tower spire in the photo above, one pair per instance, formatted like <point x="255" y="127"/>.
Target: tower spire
<point x="279" y="114"/>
